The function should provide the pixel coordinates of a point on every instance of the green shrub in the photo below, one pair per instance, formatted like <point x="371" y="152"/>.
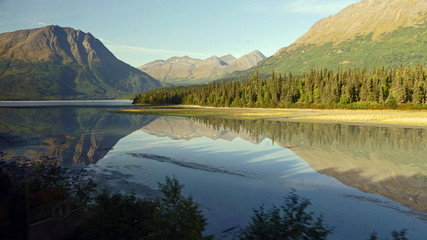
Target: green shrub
<point x="118" y="216"/>
<point x="289" y="221"/>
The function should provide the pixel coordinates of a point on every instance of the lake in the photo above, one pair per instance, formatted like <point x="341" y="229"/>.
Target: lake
<point x="362" y="179"/>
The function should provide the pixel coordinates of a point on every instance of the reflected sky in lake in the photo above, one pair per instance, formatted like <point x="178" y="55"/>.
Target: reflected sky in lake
<point x="371" y="176"/>
<point x="258" y="170"/>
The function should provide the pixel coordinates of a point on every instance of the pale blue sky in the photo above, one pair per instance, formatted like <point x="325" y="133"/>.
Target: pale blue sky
<point x="141" y="31"/>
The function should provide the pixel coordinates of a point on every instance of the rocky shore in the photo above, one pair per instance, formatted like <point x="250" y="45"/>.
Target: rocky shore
<point x="19" y="168"/>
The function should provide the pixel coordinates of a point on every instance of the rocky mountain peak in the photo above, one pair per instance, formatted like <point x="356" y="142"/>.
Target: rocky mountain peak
<point x="248" y="60"/>
<point x="185" y="70"/>
<point x="56" y="62"/>
<point x="52" y="43"/>
<point x="215" y="60"/>
<point x="256" y="52"/>
<point x="228" y="58"/>
<point x="365" y="17"/>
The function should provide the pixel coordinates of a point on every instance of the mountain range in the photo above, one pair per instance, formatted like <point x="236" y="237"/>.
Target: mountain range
<point x="63" y="63"/>
<point x="187" y="70"/>
<point x="365" y="34"/>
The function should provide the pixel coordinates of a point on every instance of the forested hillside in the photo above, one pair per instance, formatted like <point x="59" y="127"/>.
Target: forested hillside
<point x="349" y="88"/>
<point x="365" y="34"/>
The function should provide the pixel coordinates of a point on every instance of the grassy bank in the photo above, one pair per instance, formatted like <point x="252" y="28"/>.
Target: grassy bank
<point x="403" y="118"/>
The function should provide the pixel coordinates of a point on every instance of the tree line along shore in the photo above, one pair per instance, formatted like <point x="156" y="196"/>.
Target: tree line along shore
<point x="381" y="88"/>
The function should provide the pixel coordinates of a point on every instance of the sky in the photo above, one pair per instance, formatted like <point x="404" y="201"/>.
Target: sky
<point x="141" y="31"/>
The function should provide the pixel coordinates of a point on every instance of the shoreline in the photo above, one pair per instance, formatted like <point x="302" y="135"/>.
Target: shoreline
<point x="385" y="118"/>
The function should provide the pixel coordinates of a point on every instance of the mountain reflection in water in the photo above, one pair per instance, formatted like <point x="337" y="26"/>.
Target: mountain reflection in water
<point x="70" y="135"/>
<point x="383" y="160"/>
<point x="388" y="161"/>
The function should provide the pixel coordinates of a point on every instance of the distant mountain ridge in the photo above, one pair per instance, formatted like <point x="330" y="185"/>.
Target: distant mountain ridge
<point x="371" y="32"/>
<point x="228" y="58"/>
<point x="63" y="63"/>
<point x="186" y="70"/>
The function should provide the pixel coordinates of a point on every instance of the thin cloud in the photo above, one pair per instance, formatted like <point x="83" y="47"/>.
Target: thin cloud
<point x="151" y="50"/>
<point x="297" y="6"/>
<point x="41" y="23"/>
<point x="316" y="6"/>
<point x="104" y="40"/>
<point x="4" y="13"/>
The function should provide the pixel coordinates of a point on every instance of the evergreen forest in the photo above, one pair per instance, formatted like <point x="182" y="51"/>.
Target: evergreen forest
<point x="381" y="88"/>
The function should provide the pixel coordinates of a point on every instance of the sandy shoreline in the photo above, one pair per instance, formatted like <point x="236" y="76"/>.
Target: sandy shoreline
<point x="398" y="118"/>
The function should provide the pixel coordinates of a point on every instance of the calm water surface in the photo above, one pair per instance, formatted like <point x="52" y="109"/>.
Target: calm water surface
<point x="362" y="179"/>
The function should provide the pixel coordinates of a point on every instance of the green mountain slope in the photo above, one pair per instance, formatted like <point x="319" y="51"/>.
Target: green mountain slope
<point x="372" y="32"/>
<point x="62" y="63"/>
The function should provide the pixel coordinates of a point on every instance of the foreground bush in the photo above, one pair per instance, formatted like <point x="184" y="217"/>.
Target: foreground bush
<point x="117" y="216"/>
<point x="289" y="221"/>
<point x="172" y="216"/>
